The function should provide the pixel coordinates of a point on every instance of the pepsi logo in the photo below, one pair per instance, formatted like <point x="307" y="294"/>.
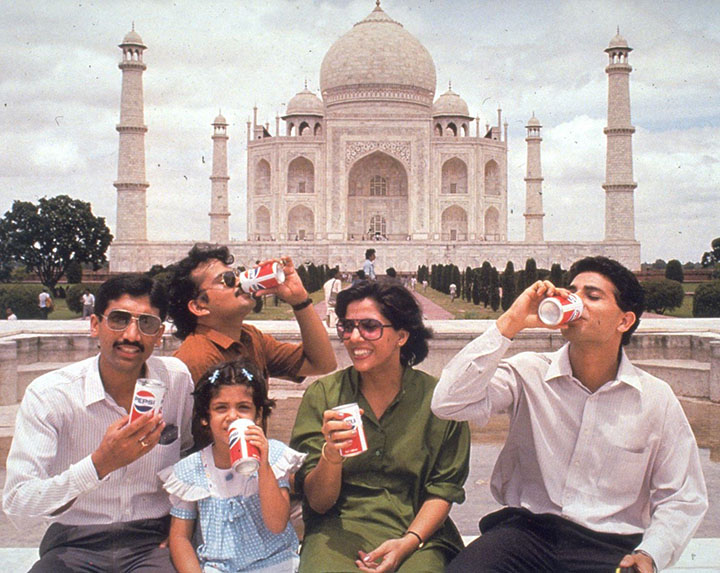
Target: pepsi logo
<point x="144" y="401"/>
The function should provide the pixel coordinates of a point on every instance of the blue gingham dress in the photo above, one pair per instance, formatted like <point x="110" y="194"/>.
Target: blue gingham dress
<point x="234" y="536"/>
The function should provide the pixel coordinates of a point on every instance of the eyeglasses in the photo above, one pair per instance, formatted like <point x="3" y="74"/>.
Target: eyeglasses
<point x="119" y="320"/>
<point x="229" y="279"/>
<point x="369" y="328"/>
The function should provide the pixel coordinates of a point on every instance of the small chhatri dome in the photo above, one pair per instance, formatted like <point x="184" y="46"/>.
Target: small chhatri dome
<point x="618" y="41"/>
<point x="452" y="104"/>
<point x="305" y="103"/>
<point x="377" y="54"/>
<point x="533" y="121"/>
<point x="220" y="120"/>
<point x="132" y="37"/>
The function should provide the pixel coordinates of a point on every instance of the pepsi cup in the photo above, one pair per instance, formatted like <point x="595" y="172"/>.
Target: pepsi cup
<point x="267" y="275"/>
<point x="556" y="310"/>
<point x="148" y="397"/>
<point x="244" y="457"/>
<point x="351" y="413"/>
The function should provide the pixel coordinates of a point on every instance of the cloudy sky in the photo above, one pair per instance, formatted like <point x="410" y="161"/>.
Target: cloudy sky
<point x="60" y="93"/>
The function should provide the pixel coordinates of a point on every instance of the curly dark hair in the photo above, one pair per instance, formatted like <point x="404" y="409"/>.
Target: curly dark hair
<point x="629" y="295"/>
<point x="399" y="306"/>
<point x="240" y="372"/>
<point x="182" y="288"/>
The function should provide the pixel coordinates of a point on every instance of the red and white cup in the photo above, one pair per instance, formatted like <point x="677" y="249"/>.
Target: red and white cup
<point x="244" y="457"/>
<point x="267" y="275"/>
<point x="148" y="397"/>
<point x="351" y="413"/>
<point x="556" y="310"/>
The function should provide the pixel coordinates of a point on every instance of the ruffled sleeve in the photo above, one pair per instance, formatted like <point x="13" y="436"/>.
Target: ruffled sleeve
<point x="284" y="461"/>
<point x="186" y="486"/>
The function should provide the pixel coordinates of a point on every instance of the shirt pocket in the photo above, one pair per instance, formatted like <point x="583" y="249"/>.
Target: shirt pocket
<point x="622" y="474"/>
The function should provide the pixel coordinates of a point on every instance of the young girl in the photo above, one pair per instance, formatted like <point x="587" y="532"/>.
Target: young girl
<point x="244" y="520"/>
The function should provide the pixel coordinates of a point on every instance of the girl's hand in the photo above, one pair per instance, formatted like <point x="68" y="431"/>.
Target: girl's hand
<point x="337" y="432"/>
<point x="255" y="436"/>
<point x="391" y="554"/>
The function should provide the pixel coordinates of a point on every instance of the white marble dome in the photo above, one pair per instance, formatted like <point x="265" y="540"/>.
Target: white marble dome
<point x="378" y="53"/>
<point x="450" y="104"/>
<point x="305" y="103"/>
<point x="618" y="41"/>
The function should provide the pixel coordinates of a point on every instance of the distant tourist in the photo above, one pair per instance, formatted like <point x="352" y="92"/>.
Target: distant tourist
<point x="88" y="304"/>
<point x="9" y="314"/>
<point x="453" y="292"/>
<point x="359" y="276"/>
<point x="45" y="302"/>
<point x="369" y="264"/>
<point x="331" y="288"/>
<point x="391" y="277"/>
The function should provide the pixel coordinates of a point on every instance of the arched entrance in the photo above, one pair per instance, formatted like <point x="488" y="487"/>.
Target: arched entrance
<point x="378" y="191"/>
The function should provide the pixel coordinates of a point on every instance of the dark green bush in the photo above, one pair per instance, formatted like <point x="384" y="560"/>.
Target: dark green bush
<point x="674" y="271"/>
<point x="662" y="295"/>
<point x="23" y="299"/>
<point x="706" y="302"/>
<point x="74" y="272"/>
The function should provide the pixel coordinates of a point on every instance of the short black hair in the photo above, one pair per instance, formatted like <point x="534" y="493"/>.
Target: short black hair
<point x="629" y="294"/>
<point x="391" y="272"/>
<point x="132" y="284"/>
<point x="399" y="306"/>
<point x="182" y="288"/>
<point x="231" y="373"/>
<point x="369" y="253"/>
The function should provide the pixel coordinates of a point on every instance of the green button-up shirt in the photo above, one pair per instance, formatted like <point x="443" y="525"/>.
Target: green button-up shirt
<point x="411" y="455"/>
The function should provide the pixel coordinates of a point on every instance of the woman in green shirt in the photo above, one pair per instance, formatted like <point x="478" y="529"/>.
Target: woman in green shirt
<point x="387" y="508"/>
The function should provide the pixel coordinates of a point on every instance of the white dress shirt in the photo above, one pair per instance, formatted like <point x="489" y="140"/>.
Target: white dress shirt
<point x="620" y="460"/>
<point x="62" y="420"/>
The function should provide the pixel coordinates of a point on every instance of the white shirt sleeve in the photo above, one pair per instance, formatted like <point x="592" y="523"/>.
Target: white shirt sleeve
<point x="30" y="488"/>
<point x="678" y="495"/>
<point x="475" y="383"/>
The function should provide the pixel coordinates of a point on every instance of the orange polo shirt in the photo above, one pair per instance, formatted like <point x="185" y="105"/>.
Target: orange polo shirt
<point x="207" y="347"/>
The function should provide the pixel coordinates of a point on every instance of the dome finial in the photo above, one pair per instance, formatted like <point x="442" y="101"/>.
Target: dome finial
<point x="306" y="84"/>
<point x="618" y="30"/>
<point x="133" y="25"/>
<point x="449" y="85"/>
<point x="377" y="3"/>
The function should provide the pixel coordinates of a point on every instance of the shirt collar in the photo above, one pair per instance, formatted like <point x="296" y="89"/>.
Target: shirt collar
<point x="560" y="367"/>
<point x="94" y="389"/>
<point x="222" y="340"/>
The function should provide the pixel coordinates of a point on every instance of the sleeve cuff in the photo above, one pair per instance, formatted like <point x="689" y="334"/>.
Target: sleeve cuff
<point x="85" y="474"/>
<point x="448" y="492"/>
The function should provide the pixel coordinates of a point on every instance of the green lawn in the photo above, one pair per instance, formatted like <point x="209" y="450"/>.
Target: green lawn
<point x="460" y="308"/>
<point x="62" y="312"/>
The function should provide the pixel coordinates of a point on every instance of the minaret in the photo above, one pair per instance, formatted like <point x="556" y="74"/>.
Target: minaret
<point x="131" y="184"/>
<point x="219" y="214"/>
<point x="533" y="184"/>
<point x="619" y="185"/>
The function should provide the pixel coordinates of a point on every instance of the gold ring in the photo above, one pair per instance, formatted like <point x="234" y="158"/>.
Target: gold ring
<point x="144" y="444"/>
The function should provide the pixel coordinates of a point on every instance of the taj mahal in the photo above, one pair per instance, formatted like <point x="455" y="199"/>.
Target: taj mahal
<point x="378" y="157"/>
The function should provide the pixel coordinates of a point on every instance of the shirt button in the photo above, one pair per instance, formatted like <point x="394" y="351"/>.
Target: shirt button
<point x="378" y="453"/>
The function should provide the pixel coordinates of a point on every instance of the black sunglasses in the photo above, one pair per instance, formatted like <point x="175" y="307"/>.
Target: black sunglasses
<point x="229" y="279"/>
<point x="369" y="328"/>
<point x="119" y="320"/>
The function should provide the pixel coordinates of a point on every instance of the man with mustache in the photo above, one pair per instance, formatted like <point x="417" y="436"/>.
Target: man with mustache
<point x="77" y="462"/>
<point x="209" y="309"/>
<point x="600" y="468"/>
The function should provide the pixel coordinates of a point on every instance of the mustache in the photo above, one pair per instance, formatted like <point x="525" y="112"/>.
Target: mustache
<point x="125" y="342"/>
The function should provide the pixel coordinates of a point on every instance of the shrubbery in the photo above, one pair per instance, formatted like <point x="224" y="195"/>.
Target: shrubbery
<point x="663" y="295"/>
<point x="23" y="299"/>
<point x="706" y="302"/>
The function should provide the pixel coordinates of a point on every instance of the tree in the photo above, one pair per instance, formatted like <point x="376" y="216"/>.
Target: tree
<point x="663" y="295"/>
<point x="531" y="272"/>
<point x="47" y="237"/>
<point x="508" y="286"/>
<point x="674" y="271"/>
<point x="706" y="302"/>
<point x="556" y="274"/>
<point x="494" y="289"/>
<point x="711" y="258"/>
<point x="485" y="272"/>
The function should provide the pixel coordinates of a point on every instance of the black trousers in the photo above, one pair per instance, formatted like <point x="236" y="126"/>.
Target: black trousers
<point x="116" y="548"/>
<point x="515" y="540"/>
